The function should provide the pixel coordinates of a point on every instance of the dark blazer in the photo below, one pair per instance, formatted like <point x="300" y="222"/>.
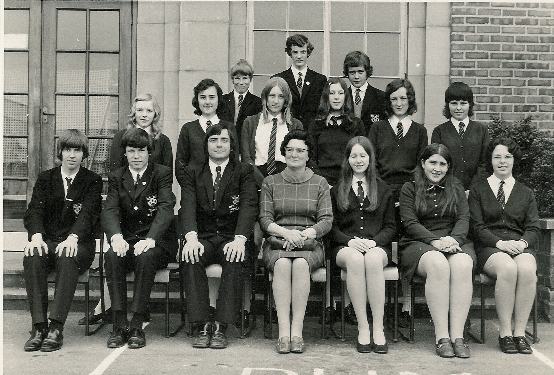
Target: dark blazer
<point x="162" y="153"/>
<point x="236" y="204"/>
<point x="56" y="216"/>
<point x="304" y="108"/>
<point x="489" y="223"/>
<point x="248" y="147"/>
<point x="146" y="212"/>
<point x="469" y="154"/>
<point x="190" y="147"/>
<point x="251" y="104"/>
<point x="373" y="106"/>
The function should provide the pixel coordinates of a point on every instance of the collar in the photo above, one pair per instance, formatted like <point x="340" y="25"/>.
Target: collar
<point x="236" y="94"/>
<point x="270" y="118"/>
<point x="406" y="121"/>
<point x="456" y="123"/>
<point x="433" y="187"/>
<point x="356" y="179"/>
<point x="203" y="120"/>
<point x="363" y="88"/>
<point x="141" y="172"/>
<point x="213" y="166"/>
<point x="296" y="71"/>
<point x="510" y="181"/>
<point x="72" y="176"/>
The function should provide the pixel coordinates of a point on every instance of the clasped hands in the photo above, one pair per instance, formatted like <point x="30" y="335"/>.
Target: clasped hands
<point x="295" y="238"/>
<point x="512" y="247"/>
<point x="447" y="244"/>
<point x="363" y="245"/>
<point x="120" y="246"/>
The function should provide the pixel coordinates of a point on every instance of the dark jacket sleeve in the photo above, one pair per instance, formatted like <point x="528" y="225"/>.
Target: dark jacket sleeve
<point x="481" y="172"/>
<point x="337" y="235"/>
<point x="35" y="214"/>
<point x="183" y="154"/>
<point x="480" y="231"/>
<point x="436" y="137"/>
<point x="116" y="152"/>
<point x="188" y="202"/>
<point x="247" y="139"/>
<point x="412" y="227"/>
<point x="167" y="152"/>
<point x="385" y="236"/>
<point x="461" y="227"/>
<point x="532" y="228"/>
<point x="111" y="214"/>
<point x="166" y="202"/>
<point x="248" y="202"/>
<point x="423" y="140"/>
<point x="86" y="221"/>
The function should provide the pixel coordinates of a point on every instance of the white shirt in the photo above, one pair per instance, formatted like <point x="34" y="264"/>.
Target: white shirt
<point x="72" y="177"/>
<point x="355" y="185"/>
<point x="406" y="123"/>
<point x="494" y="183"/>
<point x="362" y="89"/>
<point x="213" y="166"/>
<point x="295" y="73"/>
<point x="456" y="123"/>
<point x="261" y="139"/>
<point x="203" y="120"/>
<point x="135" y="173"/>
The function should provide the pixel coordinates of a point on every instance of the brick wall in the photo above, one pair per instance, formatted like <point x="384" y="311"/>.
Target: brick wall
<point x="505" y="52"/>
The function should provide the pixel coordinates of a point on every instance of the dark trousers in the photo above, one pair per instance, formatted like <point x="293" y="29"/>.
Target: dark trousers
<point x="144" y="266"/>
<point x="35" y="271"/>
<point x="196" y="283"/>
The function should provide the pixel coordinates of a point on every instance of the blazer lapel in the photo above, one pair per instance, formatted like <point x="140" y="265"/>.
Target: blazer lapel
<point x="145" y="180"/>
<point x="59" y="192"/>
<point x="231" y="104"/>
<point x="292" y="84"/>
<point x="207" y="181"/>
<point x="128" y="183"/>
<point x="307" y="84"/>
<point x="224" y="182"/>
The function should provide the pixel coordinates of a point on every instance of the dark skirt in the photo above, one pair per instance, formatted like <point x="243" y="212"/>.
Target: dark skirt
<point x="315" y="258"/>
<point x="483" y="254"/>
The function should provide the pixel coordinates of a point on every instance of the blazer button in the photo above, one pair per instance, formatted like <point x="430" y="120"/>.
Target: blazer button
<point x="362" y="218"/>
<point x="361" y="227"/>
<point x="436" y="214"/>
<point x="135" y="208"/>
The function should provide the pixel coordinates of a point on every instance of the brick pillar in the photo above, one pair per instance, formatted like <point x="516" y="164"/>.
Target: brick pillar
<point x="545" y="265"/>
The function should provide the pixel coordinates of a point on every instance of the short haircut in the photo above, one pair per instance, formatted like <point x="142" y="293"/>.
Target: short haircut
<point x="410" y="93"/>
<point x="511" y="145"/>
<point x="72" y="138"/>
<point x="146" y="97"/>
<point x="242" y="67"/>
<point x="300" y="135"/>
<point x="284" y="87"/>
<point x="136" y="137"/>
<point x="203" y="85"/>
<point x="457" y="91"/>
<point x="298" y="40"/>
<point x="354" y="59"/>
<point x="216" y="130"/>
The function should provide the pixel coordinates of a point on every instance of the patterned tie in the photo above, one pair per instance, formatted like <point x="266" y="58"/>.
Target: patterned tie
<point x="360" y="192"/>
<point x="500" y="197"/>
<point x="333" y="121"/>
<point x="299" y="82"/>
<point x="358" y="98"/>
<point x="462" y="129"/>
<point x="137" y="180"/>
<point x="399" y="131"/>
<point x="208" y="124"/>
<point x="241" y="98"/>
<point x="217" y="180"/>
<point x="271" y="167"/>
<point x="69" y="180"/>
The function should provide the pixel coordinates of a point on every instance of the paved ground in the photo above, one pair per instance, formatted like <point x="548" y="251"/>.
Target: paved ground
<point x="256" y="356"/>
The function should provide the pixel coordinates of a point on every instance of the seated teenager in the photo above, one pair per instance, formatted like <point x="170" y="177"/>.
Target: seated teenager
<point x="60" y="219"/>
<point x="505" y="223"/>
<point x="221" y="208"/>
<point x="434" y="245"/>
<point x="363" y="229"/>
<point x="138" y="221"/>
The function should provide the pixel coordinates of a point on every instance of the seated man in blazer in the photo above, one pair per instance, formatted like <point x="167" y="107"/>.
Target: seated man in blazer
<point x="240" y="103"/>
<point x="220" y="207"/>
<point x="138" y="221"/>
<point x="63" y="211"/>
<point x="305" y="84"/>
<point x="369" y="102"/>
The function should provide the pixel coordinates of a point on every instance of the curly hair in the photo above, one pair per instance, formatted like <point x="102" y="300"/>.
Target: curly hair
<point x="354" y="59"/>
<point x="511" y="145"/>
<point x="395" y="85"/>
<point x="203" y="85"/>
<point x="298" y="40"/>
<point x="156" y="126"/>
<point x="300" y="135"/>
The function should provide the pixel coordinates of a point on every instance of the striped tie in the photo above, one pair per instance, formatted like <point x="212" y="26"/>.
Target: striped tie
<point x="241" y="98"/>
<point x="361" y="194"/>
<point x="357" y="99"/>
<point x="462" y="129"/>
<point x="217" y="180"/>
<point x="500" y="197"/>
<point x="399" y="131"/>
<point x="208" y="124"/>
<point x="299" y="82"/>
<point x="271" y="167"/>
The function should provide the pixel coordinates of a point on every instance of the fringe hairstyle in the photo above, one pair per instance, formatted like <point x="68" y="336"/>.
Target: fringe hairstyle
<point x="324" y="105"/>
<point x="156" y="126"/>
<point x="395" y="85"/>
<point x="284" y="87"/>
<point x="72" y="138"/>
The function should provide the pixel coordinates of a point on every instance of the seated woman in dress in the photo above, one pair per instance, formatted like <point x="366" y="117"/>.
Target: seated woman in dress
<point x="435" y="216"/>
<point x="505" y="223"/>
<point x="295" y="212"/>
<point x="363" y="229"/>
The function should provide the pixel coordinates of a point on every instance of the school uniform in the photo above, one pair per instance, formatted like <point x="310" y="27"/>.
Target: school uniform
<point x="468" y="149"/>
<point x="250" y="105"/>
<point x="305" y="101"/>
<point x="138" y="207"/>
<point x="217" y="216"/>
<point x="372" y="106"/>
<point x="56" y="210"/>
<point x="161" y="153"/>
<point x="490" y="222"/>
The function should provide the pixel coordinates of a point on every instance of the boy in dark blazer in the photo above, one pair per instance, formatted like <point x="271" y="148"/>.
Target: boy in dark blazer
<point x="137" y="219"/>
<point x="63" y="211"/>
<point x="305" y="84"/>
<point x="240" y="103"/>
<point x="221" y="208"/>
<point x="369" y="102"/>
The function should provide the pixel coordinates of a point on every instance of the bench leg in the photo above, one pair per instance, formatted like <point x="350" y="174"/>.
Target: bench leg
<point x="87" y="307"/>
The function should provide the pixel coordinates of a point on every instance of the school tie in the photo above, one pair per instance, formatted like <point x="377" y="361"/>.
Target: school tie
<point x="360" y="192"/>
<point x="271" y="167"/>
<point x="358" y="98"/>
<point x="241" y="98"/>
<point x="399" y="131"/>
<point x="500" y="197"/>
<point x="333" y="121"/>
<point x="208" y="124"/>
<point x="462" y="129"/>
<point x="217" y="180"/>
<point x="68" y="180"/>
<point x="299" y="82"/>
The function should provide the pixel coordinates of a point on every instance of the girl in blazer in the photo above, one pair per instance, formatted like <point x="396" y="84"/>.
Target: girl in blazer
<point x="363" y="228"/>
<point x="505" y="223"/>
<point x="435" y="215"/>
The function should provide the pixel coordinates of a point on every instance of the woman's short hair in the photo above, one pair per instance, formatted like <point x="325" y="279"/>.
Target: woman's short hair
<point x="136" y="137"/>
<point x="300" y="135"/>
<point x="298" y="40"/>
<point x="146" y="97"/>
<point x="354" y="59"/>
<point x="203" y="85"/>
<point x="325" y="107"/>
<point x="242" y="67"/>
<point x="410" y="93"/>
<point x="72" y="138"/>
<point x="511" y="145"/>
<point x="457" y="91"/>
<point x="216" y="130"/>
<point x="284" y="87"/>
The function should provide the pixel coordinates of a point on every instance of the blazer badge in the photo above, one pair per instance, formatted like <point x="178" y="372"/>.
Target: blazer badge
<point x="152" y="202"/>
<point x="234" y="206"/>
<point x="77" y="208"/>
<point x="374" y="118"/>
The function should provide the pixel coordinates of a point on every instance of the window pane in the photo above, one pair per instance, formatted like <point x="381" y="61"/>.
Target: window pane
<point x="70" y="73"/>
<point x="380" y="83"/>
<point x="383" y="16"/>
<point x="15" y="204"/>
<point x="383" y="50"/>
<point x="299" y="10"/>
<point x="104" y="30"/>
<point x="15" y="157"/>
<point x="347" y="16"/>
<point x="103" y="75"/>
<point x="99" y="156"/>
<point x="70" y="113"/>
<point x="270" y="15"/>
<point x="103" y="115"/>
<point x="16" y="28"/>
<point x="72" y="32"/>
<point x="341" y="44"/>
<point x="16" y="72"/>
<point x="15" y="114"/>
<point x="268" y="59"/>
<point x="315" y="61"/>
<point x="258" y="84"/>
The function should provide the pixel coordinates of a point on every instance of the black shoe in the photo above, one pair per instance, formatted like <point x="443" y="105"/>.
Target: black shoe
<point x="363" y="348"/>
<point x="522" y="345"/>
<point x="507" y="345"/>
<point x="329" y="315"/>
<point x="202" y="336"/>
<point x="350" y="316"/>
<point x="219" y="340"/>
<point x="118" y="337"/>
<point x="404" y="319"/>
<point x="461" y="348"/>
<point x="246" y="322"/>
<point x="444" y="348"/>
<point x="381" y="349"/>
<point x="35" y="341"/>
<point x="137" y="339"/>
<point x="96" y="318"/>
<point x="53" y="341"/>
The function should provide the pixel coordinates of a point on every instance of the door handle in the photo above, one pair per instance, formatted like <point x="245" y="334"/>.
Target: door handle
<point x="45" y="114"/>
